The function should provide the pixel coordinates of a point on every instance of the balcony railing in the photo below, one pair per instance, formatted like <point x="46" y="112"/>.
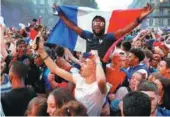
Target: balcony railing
<point x="158" y="16"/>
<point x="164" y="5"/>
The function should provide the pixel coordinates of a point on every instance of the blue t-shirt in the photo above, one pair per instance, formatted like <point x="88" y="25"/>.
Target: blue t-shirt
<point x="100" y="43"/>
<point x="45" y="73"/>
<point x="163" y="112"/>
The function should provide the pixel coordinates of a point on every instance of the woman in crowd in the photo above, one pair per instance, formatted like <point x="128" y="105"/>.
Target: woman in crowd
<point x="57" y="98"/>
<point x="72" y="108"/>
<point x="37" y="107"/>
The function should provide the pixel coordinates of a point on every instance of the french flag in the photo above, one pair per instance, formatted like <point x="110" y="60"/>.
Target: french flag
<point x="82" y="17"/>
<point x="2" y="21"/>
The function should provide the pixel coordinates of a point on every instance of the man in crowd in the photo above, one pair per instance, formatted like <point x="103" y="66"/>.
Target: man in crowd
<point x="135" y="104"/>
<point x="164" y="67"/>
<point x="136" y="56"/>
<point x="151" y="90"/>
<point x="15" y="102"/>
<point x="115" y="74"/>
<point x="90" y="82"/>
<point x="98" y="40"/>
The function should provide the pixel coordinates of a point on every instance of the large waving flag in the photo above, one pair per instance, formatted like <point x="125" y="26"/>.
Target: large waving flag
<point x="82" y="17"/>
<point x="2" y="21"/>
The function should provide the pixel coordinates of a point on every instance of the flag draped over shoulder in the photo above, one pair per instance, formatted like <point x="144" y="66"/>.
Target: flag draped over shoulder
<point x="82" y="17"/>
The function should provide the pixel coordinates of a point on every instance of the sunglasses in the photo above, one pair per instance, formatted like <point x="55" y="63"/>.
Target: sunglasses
<point x="98" y="23"/>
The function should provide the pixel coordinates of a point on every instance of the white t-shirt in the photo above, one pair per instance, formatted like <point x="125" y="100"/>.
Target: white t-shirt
<point x="89" y="95"/>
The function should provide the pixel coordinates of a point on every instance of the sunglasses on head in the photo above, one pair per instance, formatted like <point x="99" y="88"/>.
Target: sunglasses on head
<point x="87" y="55"/>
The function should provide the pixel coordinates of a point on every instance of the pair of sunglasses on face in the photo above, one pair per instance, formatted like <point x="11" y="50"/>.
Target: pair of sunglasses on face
<point x="98" y="23"/>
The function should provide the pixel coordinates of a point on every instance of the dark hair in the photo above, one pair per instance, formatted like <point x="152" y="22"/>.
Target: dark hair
<point x="24" y="34"/>
<point x="72" y="108"/>
<point x="99" y="17"/>
<point x="126" y="45"/>
<point x="34" y="20"/>
<point x="148" y="53"/>
<point x="62" y="96"/>
<point x="136" y="104"/>
<point x="40" y="104"/>
<point x="20" y="42"/>
<point x="166" y="96"/>
<point x="148" y="86"/>
<point x="119" y="44"/>
<point x="60" y="51"/>
<point x="50" y="52"/>
<point x="138" y="53"/>
<point x="20" y="69"/>
<point x="103" y="30"/>
<point x="167" y="60"/>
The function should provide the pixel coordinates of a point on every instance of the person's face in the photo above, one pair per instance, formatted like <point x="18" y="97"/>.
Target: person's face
<point x="38" y="61"/>
<point x="131" y="59"/>
<point x="98" y="26"/>
<point x="87" y="67"/>
<point x="51" y="105"/>
<point x="151" y="78"/>
<point x="79" y="55"/>
<point x="119" y="61"/>
<point x="21" y="49"/>
<point x="135" y="80"/>
<point x="137" y="44"/>
<point x="154" y="100"/>
<point x="29" y="50"/>
<point x="154" y="62"/>
<point x="162" y="67"/>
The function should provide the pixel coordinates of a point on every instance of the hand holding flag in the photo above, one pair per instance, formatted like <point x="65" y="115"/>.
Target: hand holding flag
<point x="146" y="11"/>
<point x="38" y="43"/>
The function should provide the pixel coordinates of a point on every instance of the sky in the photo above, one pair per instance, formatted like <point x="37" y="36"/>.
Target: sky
<point x="113" y="4"/>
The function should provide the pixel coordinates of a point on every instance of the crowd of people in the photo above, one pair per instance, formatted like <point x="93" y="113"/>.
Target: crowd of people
<point x="42" y="79"/>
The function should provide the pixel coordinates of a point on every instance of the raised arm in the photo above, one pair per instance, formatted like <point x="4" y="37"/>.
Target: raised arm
<point x="2" y="44"/>
<point x="50" y="63"/>
<point x="100" y="75"/>
<point x="70" y="56"/>
<point x="145" y="12"/>
<point x="69" y="23"/>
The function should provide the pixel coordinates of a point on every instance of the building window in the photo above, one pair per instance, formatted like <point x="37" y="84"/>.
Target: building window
<point x="50" y="2"/>
<point x="168" y="21"/>
<point x="42" y="11"/>
<point x="161" y="11"/>
<point x="161" y="22"/>
<point x="42" y="2"/>
<point x="168" y="11"/>
<point x="167" y="1"/>
<point x="35" y="11"/>
<point x="151" y="22"/>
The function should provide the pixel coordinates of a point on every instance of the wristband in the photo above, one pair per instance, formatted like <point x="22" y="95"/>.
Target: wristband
<point x="98" y="63"/>
<point x="45" y="58"/>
